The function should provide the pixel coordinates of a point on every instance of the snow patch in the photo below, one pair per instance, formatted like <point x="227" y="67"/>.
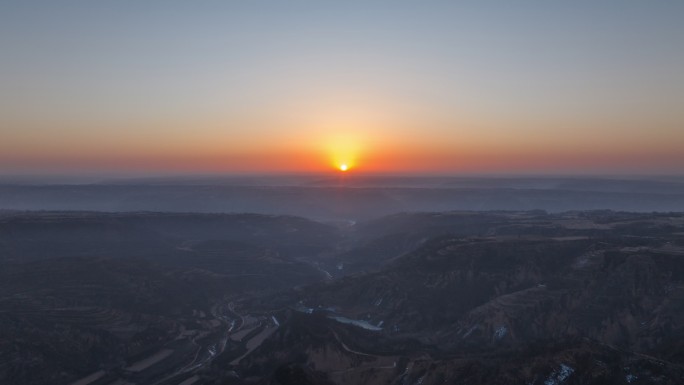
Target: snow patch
<point x="360" y="323"/>
<point x="560" y="375"/>
<point x="500" y="332"/>
<point x="303" y="309"/>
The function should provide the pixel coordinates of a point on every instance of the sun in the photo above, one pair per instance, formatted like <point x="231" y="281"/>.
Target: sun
<point x="344" y="167"/>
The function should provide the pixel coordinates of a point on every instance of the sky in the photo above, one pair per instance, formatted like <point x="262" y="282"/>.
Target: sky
<point x="577" y="87"/>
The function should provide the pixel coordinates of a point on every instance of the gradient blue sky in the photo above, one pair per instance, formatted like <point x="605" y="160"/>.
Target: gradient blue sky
<point x="507" y="86"/>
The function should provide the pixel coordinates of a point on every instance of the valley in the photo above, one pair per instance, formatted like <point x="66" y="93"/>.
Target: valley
<point x="413" y="298"/>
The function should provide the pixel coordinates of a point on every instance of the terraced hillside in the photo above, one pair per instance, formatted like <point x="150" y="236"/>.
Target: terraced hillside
<point x="598" y="298"/>
<point x="137" y="297"/>
<point x="414" y="298"/>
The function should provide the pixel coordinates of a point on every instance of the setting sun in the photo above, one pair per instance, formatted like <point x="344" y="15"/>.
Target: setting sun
<point x="343" y="167"/>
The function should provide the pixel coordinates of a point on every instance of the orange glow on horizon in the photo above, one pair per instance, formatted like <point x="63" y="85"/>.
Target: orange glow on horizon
<point x="393" y="157"/>
<point x="328" y="144"/>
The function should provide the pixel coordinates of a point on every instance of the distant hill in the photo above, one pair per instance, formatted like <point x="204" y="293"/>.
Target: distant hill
<point x="354" y="198"/>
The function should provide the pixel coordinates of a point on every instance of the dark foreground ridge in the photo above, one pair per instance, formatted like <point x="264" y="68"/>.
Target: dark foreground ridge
<point x="524" y="297"/>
